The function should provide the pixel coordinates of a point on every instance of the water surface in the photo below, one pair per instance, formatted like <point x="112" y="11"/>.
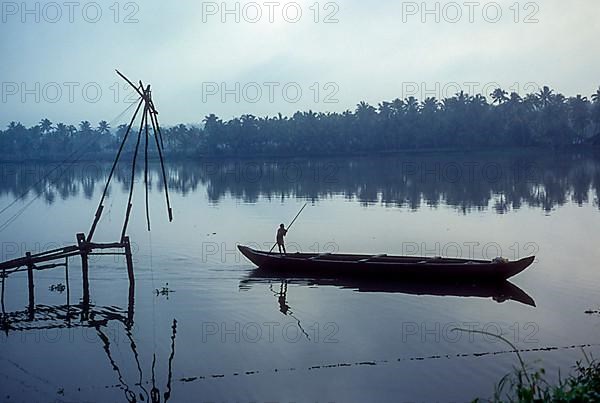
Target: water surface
<point x="220" y="332"/>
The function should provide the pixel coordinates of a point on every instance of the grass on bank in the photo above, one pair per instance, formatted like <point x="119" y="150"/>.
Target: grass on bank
<point x="525" y="385"/>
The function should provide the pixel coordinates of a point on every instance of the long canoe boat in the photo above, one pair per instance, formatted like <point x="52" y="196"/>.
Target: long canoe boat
<point x="384" y="266"/>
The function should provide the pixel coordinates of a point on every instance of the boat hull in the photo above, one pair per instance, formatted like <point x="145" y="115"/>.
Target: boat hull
<point x="385" y="266"/>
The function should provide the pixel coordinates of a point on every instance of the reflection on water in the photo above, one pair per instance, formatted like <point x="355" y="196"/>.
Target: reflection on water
<point x="498" y="291"/>
<point x="502" y="182"/>
<point x="318" y="328"/>
<point x="43" y="318"/>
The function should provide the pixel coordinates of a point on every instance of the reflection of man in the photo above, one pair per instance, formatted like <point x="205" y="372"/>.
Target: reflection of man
<point x="283" y="306"/>
<point x="281" y="232"/>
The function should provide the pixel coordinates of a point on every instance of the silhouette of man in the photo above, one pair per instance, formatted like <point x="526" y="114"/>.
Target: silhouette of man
<point x="281" y="232"/>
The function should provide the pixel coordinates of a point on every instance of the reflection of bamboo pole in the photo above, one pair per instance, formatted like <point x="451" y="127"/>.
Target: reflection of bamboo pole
<point x="170" y="376"/>
<point x="129" y="394"/>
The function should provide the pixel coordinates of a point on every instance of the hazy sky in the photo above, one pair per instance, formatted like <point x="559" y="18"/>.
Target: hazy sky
<point x="200" y="60"/>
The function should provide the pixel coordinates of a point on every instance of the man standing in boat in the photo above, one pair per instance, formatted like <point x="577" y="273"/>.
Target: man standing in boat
<point x="281" y="232"/>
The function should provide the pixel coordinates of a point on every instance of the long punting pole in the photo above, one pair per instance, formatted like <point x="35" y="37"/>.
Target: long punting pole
<point x="290" y="226"/>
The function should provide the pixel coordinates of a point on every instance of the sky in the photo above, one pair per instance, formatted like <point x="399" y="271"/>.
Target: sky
<point x="58" y="59"/>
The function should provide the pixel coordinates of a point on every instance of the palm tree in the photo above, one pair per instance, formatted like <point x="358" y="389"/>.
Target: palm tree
<point x="71" y="130"/>
<point x="515" y="98"/>
<point x="596" y="113"/>
<point x="61" y="129"/>
<point x="385" y="110"/>
<point x="411" y="105"/>
<point x="499" y="96"/>
<point x="545" y="96"/>
<point x="430" y="105"/>
<point x="85" y="127"/>
<point x="103" y="127"/>
<point x="45" y="126"/>
<point x="398" y="106"/>
<point x="532" y="101"/>
<point x="364" y="110"/>
<point x="579" y="114"/>
<point x="596" y="96"/>
<point x="478" y="100"/>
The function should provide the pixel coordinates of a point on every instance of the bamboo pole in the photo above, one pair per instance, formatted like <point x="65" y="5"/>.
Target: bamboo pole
<point x="83" y="249"/>
<point x="129" y="260"/>
<point x="131" y="276"/>
<point x="157" y="134"/>
<point x="67" y="280"/>
<point x="4" y="277"/>
<point x="146" y="175"/>
<point x="23" y="261"/>
<point x="135" y="153"/>
<point x="30" y="267"/>
<point x="112" y="170"/>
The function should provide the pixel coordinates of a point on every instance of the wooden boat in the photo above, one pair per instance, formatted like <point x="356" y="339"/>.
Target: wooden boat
<point x="384" y="266"/>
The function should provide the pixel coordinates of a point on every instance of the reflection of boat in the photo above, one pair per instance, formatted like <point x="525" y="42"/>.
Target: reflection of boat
<point x="499" y="291"/>
<point x="384" y="266"/>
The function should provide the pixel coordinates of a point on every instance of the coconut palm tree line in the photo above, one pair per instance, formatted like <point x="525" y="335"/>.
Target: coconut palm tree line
<point x="463" y="121"/>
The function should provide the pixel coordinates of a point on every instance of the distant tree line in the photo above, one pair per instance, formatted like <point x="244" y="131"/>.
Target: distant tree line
<point x="463" y="121"/>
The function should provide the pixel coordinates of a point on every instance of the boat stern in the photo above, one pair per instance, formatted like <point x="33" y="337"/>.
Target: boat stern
<point x="518" y="266"/>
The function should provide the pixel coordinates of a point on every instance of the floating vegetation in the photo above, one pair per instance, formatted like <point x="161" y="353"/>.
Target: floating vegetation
<point x="326" y="366"/>
<point x="593" y="312"/>
<point x="164" y="291"/>
<point x="60" y="288"/>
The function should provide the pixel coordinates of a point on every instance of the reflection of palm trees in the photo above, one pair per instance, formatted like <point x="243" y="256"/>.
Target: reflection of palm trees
<point x="390" y="182"/>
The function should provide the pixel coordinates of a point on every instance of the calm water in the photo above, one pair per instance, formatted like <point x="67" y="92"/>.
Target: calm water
<point x="220" y="332"/>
